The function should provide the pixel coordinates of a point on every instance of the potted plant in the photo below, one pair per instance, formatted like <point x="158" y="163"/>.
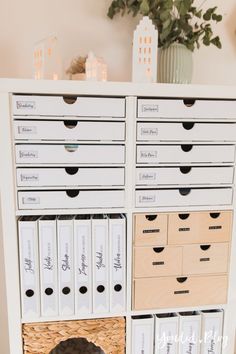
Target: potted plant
<point x="182" y="27"/>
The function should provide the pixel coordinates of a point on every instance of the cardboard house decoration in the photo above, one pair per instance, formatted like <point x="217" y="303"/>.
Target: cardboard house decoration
<point x="145" y="43"/>
<point x="47" y="63"/>
<point x="95" y="68"/>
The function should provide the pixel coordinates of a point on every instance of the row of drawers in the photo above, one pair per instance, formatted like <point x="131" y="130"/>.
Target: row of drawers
<point x="186" y="260"/>
<point x="115" y="107"/>
<point x="172" y="292"/>
<point x="182" y="228"/>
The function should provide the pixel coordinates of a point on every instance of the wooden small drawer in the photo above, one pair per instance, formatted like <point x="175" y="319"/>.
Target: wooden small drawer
<point x="69" y="130"/>
<point x="183" y="229"/>
<point x="171" y="292"/>
<point x="150" y="229"/>
<point x="157" y="261"/>
<point x="163" y="154"/>
<point x="205" y="259"/>
<point x="216" y="226"/>
<point x="68" y="106"/>
<point x="69" y="154"/>
<point x="186" y="108"/>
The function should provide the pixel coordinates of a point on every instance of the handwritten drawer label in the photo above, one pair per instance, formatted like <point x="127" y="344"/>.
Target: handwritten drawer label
<point x="26" y="105"/>
<point x="25" y="154"/>
<point x="27" y="130"/>
<point x="29" y="178"/>
<point x="152" y="108"/>
<point x="147" y="199"/>
<point x="149" y="131"/>
<point x="148" y="154"/>
<point x="147" y="176"/>
<point x="31" y="200"/>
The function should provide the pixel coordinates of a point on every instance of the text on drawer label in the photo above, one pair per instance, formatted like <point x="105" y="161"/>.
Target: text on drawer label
<point x="29" y="177"/>
<point x="147" y="199"/>
<point x="27" y="130"/>
<point x="148" y="154"/>
<point x="150" y="108"/>
<point x="149" y="131"/>
<point x="147" y="176"/>
<point x="25" y="104"/>
<point x="31" y="200"/>
<point x="28" y="154"/>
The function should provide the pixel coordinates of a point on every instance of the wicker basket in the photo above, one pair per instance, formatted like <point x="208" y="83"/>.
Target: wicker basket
<point x="108" y="334"/>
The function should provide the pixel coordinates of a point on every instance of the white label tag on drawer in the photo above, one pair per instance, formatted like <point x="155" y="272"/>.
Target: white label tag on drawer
<point x="147" y="176"/>
<point x="28" y="154"/>
<point x="148" y="154"/>
<point x="149" y="131"/>
<point x="31" y="200"/>
<point x="147" y="199"/>
<point x="153" y="108"/>
<point x="26" y="105"/>
<point x="29" y="178"/>
<point x="27" y="130"/>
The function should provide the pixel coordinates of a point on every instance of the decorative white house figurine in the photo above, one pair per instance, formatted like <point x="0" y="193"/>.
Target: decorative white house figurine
<point x="95" y="68"/>
<point x="145" y="43"/>
<point x="47" y="63"/>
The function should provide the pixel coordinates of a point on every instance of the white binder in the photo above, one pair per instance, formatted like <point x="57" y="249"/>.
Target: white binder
<point x="142" y="334"/>
<point x="166" y="333"/>
<point x="83" y="263"/>
<point x="189" y="332"/>
<point x="117" y="252"/>
<point x="29" y="266"/>
<point x="65" y="265"/>
<point x="48" y="265"/>
<point x="212" y="331"/>
<point x="100" y="264"/>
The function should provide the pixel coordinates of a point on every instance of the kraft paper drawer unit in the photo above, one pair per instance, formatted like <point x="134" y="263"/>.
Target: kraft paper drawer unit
<point x="117" y="202"/>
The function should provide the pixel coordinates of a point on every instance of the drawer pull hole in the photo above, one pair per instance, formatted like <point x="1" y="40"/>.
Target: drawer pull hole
<point x="188" y="125"/>
<point x="214" y="215"/>
<point x="184" y="191"/>
<point x="72" y="193"/>
<point x="71" y="148"/>
<point x="183" y="216"/>
<point x="182" y="279"/>
<point x="69" y="99"/>
<point x="186" y="148"/>
<point x="185" y="169"/>
<point x="70" y="124"/>
<point x="205" y="247"/>
<point x="189" y="102"/>
<point x="179" y="292"/>
<point x="151" y="217"/>
<point x="158" y="249"/>
<point x="71" y="170"/>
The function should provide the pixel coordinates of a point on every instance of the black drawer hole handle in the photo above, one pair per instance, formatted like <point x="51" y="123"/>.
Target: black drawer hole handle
<point x="151" y="217"/>
<point x="72" y="193"/>
<point x="214" y="215"/>
<point x="71" y="170"/>
<point x="49" y="291"/>
<point x="184" y="191"/>
<point x="189" y="102"/>
<point x="205" y="247"/>
<point x="69" y="99"/>
<point x="182" y="279"/>
<point x="185" y="169"/>
<point x="101" y="288"/>
<point x="186" y="148"/>
<point x="188" y="125"/>
<point x="183" y="216"/>
<point x="83" y="289"/>
<point x="158" y="249"/>
<point x="118" y="287"/>
<point x="70" y="124"/>
<point x="71" y="148"/>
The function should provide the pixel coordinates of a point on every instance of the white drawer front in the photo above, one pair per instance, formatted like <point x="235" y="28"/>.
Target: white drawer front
<point x="184" y="175"/>
<point x="58" y="106"/>
<point x="65" y="199"/>
<point x="86" y="154"/>
<point x="187" y="131"/>
<point x="70" y="176"/>
<point x="68" y="130"/>
<point x="185" y="153"/>
<point x="176" y="108"/>
<point x="183" y="197"/>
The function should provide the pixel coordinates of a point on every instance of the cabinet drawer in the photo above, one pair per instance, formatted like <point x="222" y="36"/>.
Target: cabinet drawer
<point x="184" y="175"/>
<point x="71" y="199"/>
<point x="68" y="106"/>
<point x="183" y="197"/>
<point x="86" y="154"/>
<point x="188" y="108"/>
<point x="70" y="176"/>
<point x="68" y="130"/>
<point x="205" y="259"/>
<point x="187" y="131"/>
<point x="199" y="227"/>
<point x="150" y="229"/>
<point x="157" y="261"/>
<point x="170" y="292"/>
<point x="185" y="153"/>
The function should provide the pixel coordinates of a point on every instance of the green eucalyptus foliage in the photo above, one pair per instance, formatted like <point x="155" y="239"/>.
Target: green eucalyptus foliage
<point x="176" y="20"/>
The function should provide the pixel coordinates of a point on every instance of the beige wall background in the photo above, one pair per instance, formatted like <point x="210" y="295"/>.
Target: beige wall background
<point x="82" y="25"/>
